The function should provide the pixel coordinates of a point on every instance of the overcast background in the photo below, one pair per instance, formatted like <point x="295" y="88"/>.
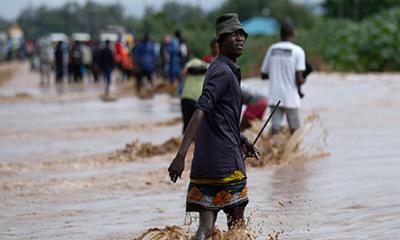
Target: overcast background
<point x="11" y="8"/>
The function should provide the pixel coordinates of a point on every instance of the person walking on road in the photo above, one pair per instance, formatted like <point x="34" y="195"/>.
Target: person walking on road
<point x="218" y="173"/>
<point x="76" y="61"/>
<point x="95" y="68"/>
<point x="283" y="65"/>
<point x="59" y="62"/>
<point x="107" y="65"/>
<point x="174" y="71"/>
<point x="145" y="56"/>
<point x="46" y="55"/>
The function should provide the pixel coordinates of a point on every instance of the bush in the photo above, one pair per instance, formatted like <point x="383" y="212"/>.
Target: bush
<point x="372" y="45"/>
<point x="379" y="47"/>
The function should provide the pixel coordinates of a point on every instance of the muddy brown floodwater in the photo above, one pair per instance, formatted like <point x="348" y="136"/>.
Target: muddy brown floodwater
<point x="73" y="166"/>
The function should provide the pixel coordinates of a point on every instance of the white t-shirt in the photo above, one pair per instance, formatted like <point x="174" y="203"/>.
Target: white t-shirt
<point x="281" y="62"/>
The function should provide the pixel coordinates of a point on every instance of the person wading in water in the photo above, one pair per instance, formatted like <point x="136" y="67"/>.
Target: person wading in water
<point x="284" y="65"/>
<point x="218" y="173"/>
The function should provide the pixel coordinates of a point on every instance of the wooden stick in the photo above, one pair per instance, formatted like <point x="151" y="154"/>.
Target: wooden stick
<point x="266" y="122"/>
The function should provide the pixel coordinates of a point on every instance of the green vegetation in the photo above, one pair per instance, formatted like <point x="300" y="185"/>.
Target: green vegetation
<point x="72" y="17"/>
<point x="3" y="24"/>
<point x="371" y="45"/>
<point x="356" y="10"/>
<point x="282" y="10"/>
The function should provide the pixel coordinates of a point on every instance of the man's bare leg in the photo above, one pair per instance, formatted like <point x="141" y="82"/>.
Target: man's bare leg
<point x="235" y="217"/>
<point x="206" y="225"/>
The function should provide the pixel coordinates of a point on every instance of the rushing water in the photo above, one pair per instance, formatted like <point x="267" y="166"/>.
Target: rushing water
<point x="58" y="181"/>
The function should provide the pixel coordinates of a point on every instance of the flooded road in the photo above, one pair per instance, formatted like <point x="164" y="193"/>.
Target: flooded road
<point x="62" y="175"/>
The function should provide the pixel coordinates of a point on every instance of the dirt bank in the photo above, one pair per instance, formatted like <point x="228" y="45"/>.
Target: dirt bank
<point x="7" y="70"/>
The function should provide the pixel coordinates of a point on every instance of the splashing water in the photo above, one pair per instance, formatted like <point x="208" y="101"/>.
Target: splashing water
<point x="169" y="232"/>
<point x="178" y="233"/>
<point x="184" y="232"/>
<point x="137" y="149"/>
<point x="308" y="142"/>
<point x="284" y="147"/>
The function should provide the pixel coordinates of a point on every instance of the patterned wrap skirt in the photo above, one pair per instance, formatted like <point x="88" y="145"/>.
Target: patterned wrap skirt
<point x="216" y="196"/>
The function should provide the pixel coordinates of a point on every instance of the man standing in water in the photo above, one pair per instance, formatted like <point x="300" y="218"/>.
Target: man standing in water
<point x="218" y="174"/>
<point x="284" y="64"/>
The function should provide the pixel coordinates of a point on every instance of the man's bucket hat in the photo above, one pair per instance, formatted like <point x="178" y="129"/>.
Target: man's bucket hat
<point x="228" y="23"/>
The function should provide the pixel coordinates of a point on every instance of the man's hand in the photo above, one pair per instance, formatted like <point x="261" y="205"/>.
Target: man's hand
<point x="176" y="168"/>
<point x="178" y="164"/>
<point x="250" y="150"/>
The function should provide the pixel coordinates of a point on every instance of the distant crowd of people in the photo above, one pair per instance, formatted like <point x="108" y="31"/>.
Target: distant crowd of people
<point x="142" y="59"/>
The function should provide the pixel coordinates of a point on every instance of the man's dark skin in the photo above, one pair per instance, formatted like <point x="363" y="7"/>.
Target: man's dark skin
<point x="231" y="45"/>
<point x="299" y="74"/>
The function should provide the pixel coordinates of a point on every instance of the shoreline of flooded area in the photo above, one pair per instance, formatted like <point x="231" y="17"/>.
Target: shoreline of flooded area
<point x="66" y="171"/>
